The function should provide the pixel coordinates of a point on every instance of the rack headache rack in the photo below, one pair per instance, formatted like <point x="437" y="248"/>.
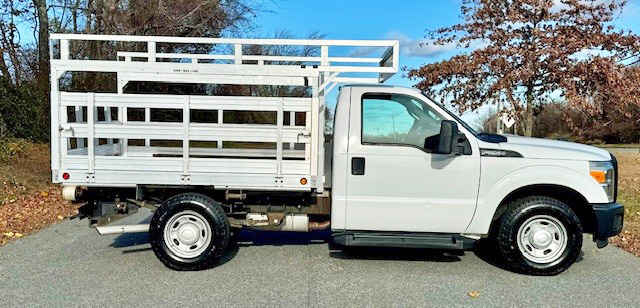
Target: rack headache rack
<point x="95" y="141"/>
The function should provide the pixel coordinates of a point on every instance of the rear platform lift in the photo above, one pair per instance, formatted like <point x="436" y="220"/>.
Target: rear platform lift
<point x="95" y="144"/>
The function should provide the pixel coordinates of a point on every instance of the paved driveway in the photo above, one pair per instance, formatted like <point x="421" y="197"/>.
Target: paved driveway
<point x="69" y="264"/>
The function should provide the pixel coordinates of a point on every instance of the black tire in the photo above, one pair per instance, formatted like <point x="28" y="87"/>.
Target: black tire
<point x="520" y="211"/>
<point x="213" y="214"/>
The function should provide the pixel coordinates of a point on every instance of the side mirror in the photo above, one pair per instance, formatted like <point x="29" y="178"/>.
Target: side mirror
<point x="448" y="137"/>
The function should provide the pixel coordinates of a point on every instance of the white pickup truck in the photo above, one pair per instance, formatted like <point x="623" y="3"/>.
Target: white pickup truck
<point x="401" y="170"/>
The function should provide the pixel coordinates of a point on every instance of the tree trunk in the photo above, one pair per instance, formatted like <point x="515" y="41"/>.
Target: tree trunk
<point x="4" y="69"/>
<point x="9" y="47"/>
<point x="43" y="43"/>
<point x="529" y="113"/>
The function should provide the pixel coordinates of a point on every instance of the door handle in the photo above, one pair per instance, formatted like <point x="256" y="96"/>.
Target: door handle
<point x="357" y="166"/>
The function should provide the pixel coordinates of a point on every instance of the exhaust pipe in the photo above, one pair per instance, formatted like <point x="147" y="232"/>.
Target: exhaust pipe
<point x="73" y="193"/>
<point x="319" y="225"/>
<point x="290" y="222"/>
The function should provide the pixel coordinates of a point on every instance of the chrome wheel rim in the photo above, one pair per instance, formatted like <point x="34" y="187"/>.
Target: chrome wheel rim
<point x="542" y="239"/>
<point x="187" y="234"/>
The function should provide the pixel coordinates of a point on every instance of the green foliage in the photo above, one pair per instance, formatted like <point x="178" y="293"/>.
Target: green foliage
<point x="24" y="111"/>
<point x="13" y="148"/>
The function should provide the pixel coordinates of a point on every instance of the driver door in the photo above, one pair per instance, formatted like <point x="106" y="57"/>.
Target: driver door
<point x="394" y="183"/>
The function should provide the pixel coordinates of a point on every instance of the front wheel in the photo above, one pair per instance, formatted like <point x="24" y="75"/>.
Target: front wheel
<point x="539" y="236"/>
<point x="189" y="232"/>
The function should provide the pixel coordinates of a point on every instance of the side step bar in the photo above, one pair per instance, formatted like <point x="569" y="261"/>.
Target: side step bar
<point x="104" y="230"/>
<point x="403" y="239"/>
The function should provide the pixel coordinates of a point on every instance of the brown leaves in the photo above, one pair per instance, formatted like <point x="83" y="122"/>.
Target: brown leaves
<point x="32" y="212"/>
<point x="628" y="240"/>
<point x="534" y="43"/>
<point x="629" y="196"/>
<point x="28" y="201"/>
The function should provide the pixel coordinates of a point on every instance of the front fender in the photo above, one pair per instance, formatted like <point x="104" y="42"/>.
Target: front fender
<point x="527" y="176"/>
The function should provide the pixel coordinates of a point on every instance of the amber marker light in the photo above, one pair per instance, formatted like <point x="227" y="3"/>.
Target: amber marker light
<point x="599" y="175"/>
<point x="303" y="181"/>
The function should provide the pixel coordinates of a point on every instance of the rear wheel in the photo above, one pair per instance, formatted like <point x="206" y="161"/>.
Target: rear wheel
<point x="539" y="236"/>
<point x="189" y="232"/>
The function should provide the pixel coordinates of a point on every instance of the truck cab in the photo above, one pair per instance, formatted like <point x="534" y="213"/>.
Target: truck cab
<point x="407" y="172"/>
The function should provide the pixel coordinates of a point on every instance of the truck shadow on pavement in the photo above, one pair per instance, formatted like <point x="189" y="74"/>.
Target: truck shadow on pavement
<point x="130" y="240"/>
<point x="248" y="237"/>
<point x="395" y="254"/>
<point x="139" y="242"/>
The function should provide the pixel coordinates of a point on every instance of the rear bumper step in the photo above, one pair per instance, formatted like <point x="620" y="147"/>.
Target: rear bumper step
<point x="104" y="230"/>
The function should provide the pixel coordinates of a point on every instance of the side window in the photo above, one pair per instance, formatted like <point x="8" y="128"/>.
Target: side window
<point x="397" y="119"/>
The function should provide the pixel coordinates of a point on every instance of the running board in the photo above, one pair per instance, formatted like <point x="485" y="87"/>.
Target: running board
<point x="104" y="230"/>
<point x="403" y="239"/>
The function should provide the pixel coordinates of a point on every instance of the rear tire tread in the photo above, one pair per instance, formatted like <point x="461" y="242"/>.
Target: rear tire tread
<point x="214" y="214"/>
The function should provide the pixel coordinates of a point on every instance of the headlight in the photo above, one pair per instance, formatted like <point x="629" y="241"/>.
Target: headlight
<point x="604" y="173"/>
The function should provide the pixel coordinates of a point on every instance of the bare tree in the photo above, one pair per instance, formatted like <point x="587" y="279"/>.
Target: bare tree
<point x="42" y="73"/>
<point x="24" y="43"/>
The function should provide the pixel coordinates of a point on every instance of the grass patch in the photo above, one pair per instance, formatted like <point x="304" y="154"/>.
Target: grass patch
<point x="24" y="168"/>
<point x="615" y="145"/>
<point x="629" y="196"/>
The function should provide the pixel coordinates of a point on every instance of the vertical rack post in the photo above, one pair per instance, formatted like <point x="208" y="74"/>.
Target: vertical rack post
<point x="307" y="127"/>
<point x="396" y="56"/>
<point x="64" y="49"/>
<point x="280" y="123"/>
<point x="91" y="133"/>
<point x="151" y="50"/>
<point x="324" y="55"/>
<point x="55" y="118"/>
<point x="186" y="118"/>
<point x="64" y="119"/>
<point x="122" y="116"/>
<point x="55" y="133"/>
<point x="321" y="106"/>
<point x="121" y="84"/>
<point x="238" y="53"/>
<point x="314" y="129"/>
<point x="324" y="61"/>
<point x="147" y="119"/>
<point x="220" y="121"/>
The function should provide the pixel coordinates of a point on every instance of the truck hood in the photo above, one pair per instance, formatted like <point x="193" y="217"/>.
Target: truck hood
<point x="553" y="149"/>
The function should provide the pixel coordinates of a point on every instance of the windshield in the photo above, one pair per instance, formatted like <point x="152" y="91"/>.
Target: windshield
<point x="455" y="116"/>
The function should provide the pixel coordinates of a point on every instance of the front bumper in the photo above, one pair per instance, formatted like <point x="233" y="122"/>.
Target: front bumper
<point x="609" y="220"/>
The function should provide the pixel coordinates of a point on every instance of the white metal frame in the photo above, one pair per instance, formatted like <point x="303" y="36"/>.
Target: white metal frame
<point x="117" y="164"/>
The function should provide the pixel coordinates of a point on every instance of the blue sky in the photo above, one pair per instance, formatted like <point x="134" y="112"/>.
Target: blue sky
<point x="375" y="19"/>
<point x="364" y="19"/>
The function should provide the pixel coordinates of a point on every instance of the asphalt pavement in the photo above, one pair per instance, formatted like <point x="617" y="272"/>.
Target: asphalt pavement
<point x="70" y="265"/>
